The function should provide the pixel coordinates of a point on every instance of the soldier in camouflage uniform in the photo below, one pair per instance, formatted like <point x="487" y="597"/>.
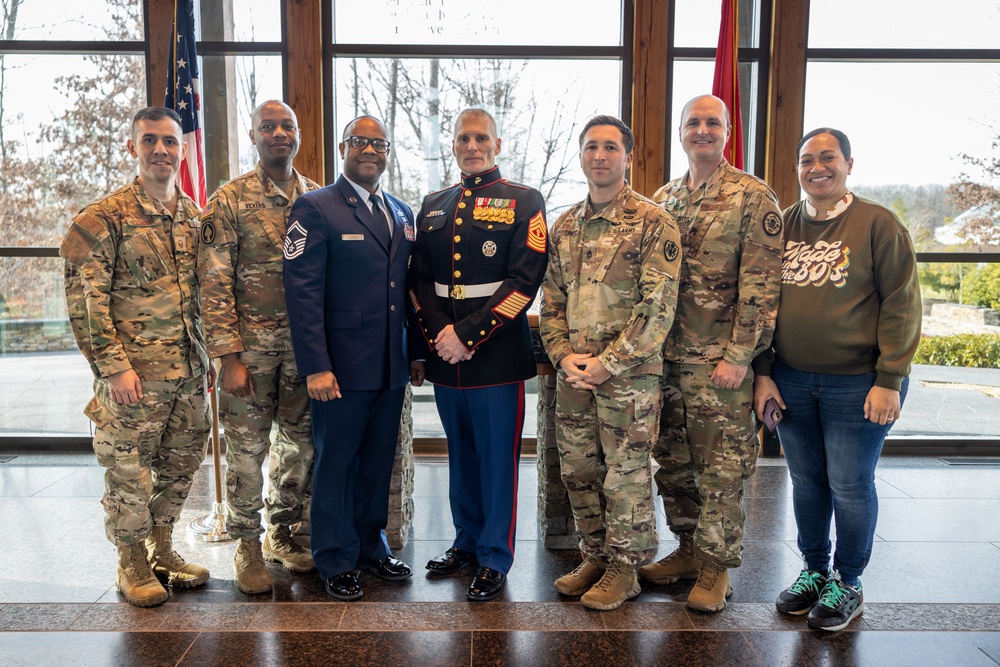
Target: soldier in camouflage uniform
<point x="133" y="304"/>
<point x="608" y="301"/>
<point x="729" y="288"/>
<point x="243" y="302"/>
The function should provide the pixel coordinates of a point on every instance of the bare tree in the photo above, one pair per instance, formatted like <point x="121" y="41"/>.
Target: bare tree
<point x="87" y="159"/>
<point x="8" y="26"/>
<point x="981" y="200"/>
<point x="419" y="100"/>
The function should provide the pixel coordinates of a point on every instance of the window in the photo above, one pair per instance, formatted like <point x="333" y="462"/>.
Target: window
<point x="917" y="97"/>
<point x="70" y="82"/>
<point x="694" y="26"/>
<point x="417" y="63"/>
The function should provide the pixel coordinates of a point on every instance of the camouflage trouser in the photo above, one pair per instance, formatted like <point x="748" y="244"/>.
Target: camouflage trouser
<point x="280" y="397"/>
<point x="706" y="450"/>
<point x="151" y="450"/>
<point x="610" y="486"/>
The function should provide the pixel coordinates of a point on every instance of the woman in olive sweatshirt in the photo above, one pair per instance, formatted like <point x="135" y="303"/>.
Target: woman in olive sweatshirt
<point x="848" y="326"/>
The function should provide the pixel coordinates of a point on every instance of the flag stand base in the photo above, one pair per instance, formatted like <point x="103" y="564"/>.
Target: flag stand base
<point x="211" y="528"/>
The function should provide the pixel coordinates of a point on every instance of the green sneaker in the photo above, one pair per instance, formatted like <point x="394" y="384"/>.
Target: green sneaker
<point x="838" y="605"/>
<point x="802" y="595"/>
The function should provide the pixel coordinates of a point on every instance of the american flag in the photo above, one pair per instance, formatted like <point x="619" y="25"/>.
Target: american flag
<point x="184" y="97"/>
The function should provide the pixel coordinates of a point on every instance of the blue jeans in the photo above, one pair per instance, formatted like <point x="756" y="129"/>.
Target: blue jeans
<point x="831" y="451"/>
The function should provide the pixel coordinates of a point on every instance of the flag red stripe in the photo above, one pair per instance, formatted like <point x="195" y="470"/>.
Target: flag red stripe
<point x="726" y="81"/>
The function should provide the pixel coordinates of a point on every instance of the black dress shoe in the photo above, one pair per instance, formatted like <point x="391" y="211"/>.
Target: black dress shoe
<point x="451" y="561"/>
<point x="344" y="587"/>
<point x="487" y="584"/>
<point x="388" y="569"/>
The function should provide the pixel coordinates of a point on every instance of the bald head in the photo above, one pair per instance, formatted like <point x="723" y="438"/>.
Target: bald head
<point x="349" y="128"/>
<point x="275" y="106"/>
<point x="705" y="100"/>
<point x="275" y="134"/>
<point x="704" y="131"/>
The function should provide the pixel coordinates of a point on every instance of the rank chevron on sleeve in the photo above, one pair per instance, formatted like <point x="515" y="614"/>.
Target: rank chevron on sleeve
<point x="295" y="240"/>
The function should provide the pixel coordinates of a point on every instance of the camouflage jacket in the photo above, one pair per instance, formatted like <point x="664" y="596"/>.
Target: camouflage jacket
<point x="611" y="285"/>
<point x="131" y="288"/>
<point x="731" y="278"/>
<point x="240" y="263"/>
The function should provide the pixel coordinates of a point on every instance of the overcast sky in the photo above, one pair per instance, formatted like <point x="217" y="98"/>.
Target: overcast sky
<point x="908" y="122"/>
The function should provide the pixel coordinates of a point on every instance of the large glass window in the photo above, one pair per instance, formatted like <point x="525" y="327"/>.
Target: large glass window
<point x="884" y="24"/>
<point x="539" y="105"/>
<point x="240" y="53"/>
<point x="695" y="35"/>
<point x="46" y="381"/>
<point x="79" y="20"/>
<point x="71" y="77"/>
<point x="416" y="64"/>
<point x="64" y="121"/>
<point x="917" y="98"/>
<point x="486" y="22"/>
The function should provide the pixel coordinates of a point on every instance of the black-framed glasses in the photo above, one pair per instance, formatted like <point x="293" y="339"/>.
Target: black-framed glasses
<point x="360" y="143"/>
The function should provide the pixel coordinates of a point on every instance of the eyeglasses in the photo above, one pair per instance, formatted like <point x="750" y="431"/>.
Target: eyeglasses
<point x="360" y="143"/>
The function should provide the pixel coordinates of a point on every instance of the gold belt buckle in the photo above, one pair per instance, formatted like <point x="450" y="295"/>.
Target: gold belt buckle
<point x="458" y="291"/>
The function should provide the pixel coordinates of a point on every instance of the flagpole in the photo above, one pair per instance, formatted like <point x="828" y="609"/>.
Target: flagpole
<point x="212" y="527"/>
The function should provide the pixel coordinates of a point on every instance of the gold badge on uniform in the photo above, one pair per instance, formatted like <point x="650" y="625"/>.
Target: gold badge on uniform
<point x="772" y="224"/>
<point x="489" y="248"/>
<point x="494" y="210"/>
<point x="670" y="251"/>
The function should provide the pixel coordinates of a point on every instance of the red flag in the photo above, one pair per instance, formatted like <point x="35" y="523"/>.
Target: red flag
<point x="184" y="97"/>
<point x="726" y="83"/>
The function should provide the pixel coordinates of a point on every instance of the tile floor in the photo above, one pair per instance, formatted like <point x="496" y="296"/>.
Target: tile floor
<point x="932" y="590"/>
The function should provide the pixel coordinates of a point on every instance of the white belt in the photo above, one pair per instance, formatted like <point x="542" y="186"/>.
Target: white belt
<point x="466" y="291"/>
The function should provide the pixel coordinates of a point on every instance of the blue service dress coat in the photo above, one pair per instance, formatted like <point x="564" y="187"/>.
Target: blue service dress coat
<point x="345" y="292"/>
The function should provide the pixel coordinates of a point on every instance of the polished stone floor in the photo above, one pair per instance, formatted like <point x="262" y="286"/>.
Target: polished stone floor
<point x="932" y="589"/>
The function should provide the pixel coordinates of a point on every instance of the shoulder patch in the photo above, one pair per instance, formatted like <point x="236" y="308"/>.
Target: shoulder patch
<point x="91" y="224"/>
<point x="772" y="224"/>
<point x="537" y="233"/>
<point x="207" y="231"/>
<point x="209" y="210"/>
<point x="295" y="240"/>
<point x="670" y="251"/>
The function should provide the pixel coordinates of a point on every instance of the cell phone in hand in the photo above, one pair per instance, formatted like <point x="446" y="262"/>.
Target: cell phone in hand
<point x="772" y="414"/>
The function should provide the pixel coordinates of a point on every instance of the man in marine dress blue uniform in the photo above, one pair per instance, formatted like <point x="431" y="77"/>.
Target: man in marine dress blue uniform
<point x="345" y="277"/>
<point x="480" y="258"/>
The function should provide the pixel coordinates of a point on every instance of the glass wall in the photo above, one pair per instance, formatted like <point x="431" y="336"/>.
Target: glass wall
<point x="71" y="77"/>
<point x="424" y="62"/>
<point x="918" y="100"/>
<point x="695" y="35"/>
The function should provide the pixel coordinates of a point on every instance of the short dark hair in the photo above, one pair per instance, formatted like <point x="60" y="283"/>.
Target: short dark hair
<point x="154" y="114"/>
<point x="628" y="139"/>
<point x="845" y="143"/>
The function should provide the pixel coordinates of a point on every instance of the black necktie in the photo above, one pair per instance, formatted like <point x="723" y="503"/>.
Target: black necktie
<point x="381" y="222"/>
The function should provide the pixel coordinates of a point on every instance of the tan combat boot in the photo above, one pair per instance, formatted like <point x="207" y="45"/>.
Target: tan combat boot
<point x="618" y="584"/>
<point x="281" y="547"/>
<point x="252" y="576"/>
<point x="679" y="564"/>
<point x="135" y="580"/>
<point x="582" y="578"/>
<point x="168" y="565"/>
<point x="711" y="589"/>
